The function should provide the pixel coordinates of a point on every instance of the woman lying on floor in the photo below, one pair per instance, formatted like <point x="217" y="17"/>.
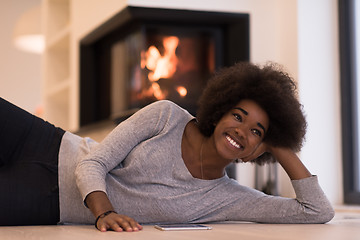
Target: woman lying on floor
<point x="163" y="165"/>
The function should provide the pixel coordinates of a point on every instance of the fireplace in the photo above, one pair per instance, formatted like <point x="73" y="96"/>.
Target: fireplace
<point x="146" y="54"/>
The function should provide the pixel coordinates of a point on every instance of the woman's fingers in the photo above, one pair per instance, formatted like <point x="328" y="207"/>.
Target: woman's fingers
<point x="118" y="223"/>
<point x="261" y="149"/>
<point x="127" y="223"/>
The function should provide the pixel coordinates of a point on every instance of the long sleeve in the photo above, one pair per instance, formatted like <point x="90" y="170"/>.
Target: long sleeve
<point x="91" y="171"/>
<point x="310" y="205"/>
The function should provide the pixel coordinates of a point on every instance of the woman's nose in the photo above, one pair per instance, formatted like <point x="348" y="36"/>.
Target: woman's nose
<point x="240" y="131"/>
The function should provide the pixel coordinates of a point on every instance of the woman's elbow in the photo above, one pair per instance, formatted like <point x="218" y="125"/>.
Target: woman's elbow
<point x="324" y="215"/>
<point x="328" y="215"/>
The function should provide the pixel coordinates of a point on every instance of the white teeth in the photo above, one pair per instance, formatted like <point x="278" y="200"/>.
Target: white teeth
<point x="232" y="142"/>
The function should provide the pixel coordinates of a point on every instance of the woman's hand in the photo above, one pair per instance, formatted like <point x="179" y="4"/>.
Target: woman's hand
<point x="100" y="205"/>
<point x="118" y="223"/>
<point x="260" y="150"/>
<point x="290" y="162"/>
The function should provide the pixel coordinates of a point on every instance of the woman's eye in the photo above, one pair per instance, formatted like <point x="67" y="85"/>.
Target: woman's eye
<point x="257" y="132"/>
<point x="237" y="117"/>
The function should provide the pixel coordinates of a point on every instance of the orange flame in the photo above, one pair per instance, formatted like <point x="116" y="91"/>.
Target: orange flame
<point x="160" y="66"/>
<point x="182" y="91"/>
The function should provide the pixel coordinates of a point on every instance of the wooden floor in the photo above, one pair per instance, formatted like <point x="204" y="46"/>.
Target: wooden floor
<point x="345" y="226"/>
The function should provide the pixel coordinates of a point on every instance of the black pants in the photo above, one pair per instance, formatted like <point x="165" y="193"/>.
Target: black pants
<point x="29" y="147"/>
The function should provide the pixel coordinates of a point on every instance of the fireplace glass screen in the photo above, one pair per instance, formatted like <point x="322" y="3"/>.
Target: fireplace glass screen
<point x="162" y="63"/>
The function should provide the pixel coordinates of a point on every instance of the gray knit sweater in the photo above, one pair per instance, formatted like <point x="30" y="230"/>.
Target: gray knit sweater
<point x="140" y="167"/>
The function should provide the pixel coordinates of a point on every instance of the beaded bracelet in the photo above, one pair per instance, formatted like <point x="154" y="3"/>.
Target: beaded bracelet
<point x="102" y="216"/>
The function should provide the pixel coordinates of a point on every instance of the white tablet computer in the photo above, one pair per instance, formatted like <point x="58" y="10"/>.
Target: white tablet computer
<point x="177" y="227"/>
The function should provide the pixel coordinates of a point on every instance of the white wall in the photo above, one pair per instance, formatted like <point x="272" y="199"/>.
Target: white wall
<point x="20" y="72"/>
<point x="320" y="92"/>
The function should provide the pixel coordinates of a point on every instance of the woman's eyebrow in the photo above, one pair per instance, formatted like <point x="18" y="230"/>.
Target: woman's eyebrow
<point x="246" y="113"/>
<point x="261" y="126"/>
<point x="242" y="110"/>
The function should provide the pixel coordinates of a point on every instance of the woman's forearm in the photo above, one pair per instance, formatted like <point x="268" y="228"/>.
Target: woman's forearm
<point x="291" y="163"/>
<point x="98" y="203"/>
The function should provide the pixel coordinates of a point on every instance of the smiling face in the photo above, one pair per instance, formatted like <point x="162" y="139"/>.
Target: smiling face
<point x="241" y="130"/>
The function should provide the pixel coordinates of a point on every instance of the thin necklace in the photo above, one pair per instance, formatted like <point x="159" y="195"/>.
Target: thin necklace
<point x="201" y="159"/>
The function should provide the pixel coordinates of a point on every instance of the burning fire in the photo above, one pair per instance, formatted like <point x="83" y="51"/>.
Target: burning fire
<point x="161" y="66"/>
<point x="182" y="91"/>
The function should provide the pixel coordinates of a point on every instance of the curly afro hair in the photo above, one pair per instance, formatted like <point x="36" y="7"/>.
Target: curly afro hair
<point x="270" y="87"/>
